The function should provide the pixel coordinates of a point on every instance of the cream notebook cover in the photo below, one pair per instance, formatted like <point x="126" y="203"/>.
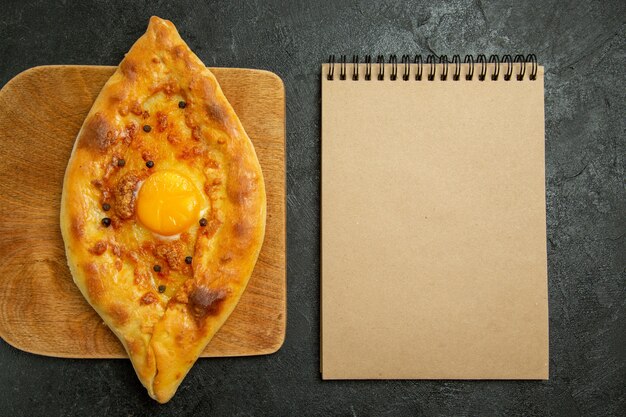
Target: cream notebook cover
<point x="433" y="225"/>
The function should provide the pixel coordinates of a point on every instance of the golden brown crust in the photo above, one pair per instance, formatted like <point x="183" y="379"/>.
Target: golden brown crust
<point x="164" y="316"/>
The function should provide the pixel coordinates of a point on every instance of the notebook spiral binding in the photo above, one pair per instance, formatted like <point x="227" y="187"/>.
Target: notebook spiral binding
<point x="431" y="62"/>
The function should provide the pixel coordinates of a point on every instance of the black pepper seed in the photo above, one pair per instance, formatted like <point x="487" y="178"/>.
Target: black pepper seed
<point x="157" y="268"/>
<point x="146" y="128"/>
<point x="182" y="104"/>
<point x="106" y="222"/>
<point x="149" y="164"/>
<point x="188" y="260"/>
<point x="106" y="207"/>
<point x="121" y="162"/>
<point x="203" y="222"/>
<point x="162" y="288"/>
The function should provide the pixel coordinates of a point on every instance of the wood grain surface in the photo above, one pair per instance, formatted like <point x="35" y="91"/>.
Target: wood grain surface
<point x="41" y="310"/>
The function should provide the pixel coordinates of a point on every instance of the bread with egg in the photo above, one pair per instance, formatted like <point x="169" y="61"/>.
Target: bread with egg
<point x="163" y="207"/>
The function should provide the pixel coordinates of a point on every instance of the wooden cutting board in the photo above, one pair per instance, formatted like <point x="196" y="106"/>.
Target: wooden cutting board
<point x="41" y="310"/>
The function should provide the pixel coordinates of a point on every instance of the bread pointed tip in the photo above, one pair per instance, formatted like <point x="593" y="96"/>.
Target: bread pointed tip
<point x="156" y="21"/>
<point x="163" y="396"/>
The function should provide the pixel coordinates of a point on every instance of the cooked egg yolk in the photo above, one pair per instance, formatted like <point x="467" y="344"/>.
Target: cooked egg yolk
<point x="168" y="203"/>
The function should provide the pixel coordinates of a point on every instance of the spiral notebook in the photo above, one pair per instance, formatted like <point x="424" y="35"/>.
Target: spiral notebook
<point x="433" y="224"/>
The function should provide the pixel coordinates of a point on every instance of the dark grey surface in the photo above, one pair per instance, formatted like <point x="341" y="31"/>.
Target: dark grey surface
<point x="583" y="47"/>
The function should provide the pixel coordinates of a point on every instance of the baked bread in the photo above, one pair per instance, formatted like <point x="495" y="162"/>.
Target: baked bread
<point x="163" y="207"/>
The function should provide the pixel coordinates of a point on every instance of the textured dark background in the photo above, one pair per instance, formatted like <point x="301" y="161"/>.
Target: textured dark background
<point x="583" y="47"/>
